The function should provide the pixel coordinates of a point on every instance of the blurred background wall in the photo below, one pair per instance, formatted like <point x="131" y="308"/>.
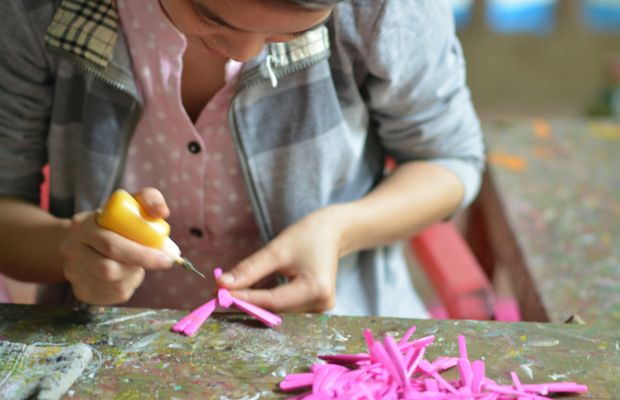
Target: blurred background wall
<point x="560" y="73"/>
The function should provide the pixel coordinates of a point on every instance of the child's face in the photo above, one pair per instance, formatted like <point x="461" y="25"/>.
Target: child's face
<point x="238" y="29"/>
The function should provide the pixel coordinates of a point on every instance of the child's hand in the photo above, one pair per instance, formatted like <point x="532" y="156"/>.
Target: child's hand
<point x="102" y="266"/>
<point x="307" y="253"/>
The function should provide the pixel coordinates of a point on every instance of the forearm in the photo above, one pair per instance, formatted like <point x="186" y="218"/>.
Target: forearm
<point x="414" y="196"/>
<point x="30" y="239"/>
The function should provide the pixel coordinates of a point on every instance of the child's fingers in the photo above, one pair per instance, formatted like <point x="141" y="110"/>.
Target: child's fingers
<point x="105" y="293"/>
<point x="300" y="295"/>
<point x="114" y="246"/>
<point x="251" y="270"/>
<point x="153" y="202"/>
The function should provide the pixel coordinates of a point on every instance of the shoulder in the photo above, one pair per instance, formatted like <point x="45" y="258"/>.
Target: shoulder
<point x="26" y="21"/>
<point x="35" y="14"/>
<point x="361" y="20"/>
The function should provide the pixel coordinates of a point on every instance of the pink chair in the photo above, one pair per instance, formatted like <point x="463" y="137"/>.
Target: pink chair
<point x="454" y="272"/>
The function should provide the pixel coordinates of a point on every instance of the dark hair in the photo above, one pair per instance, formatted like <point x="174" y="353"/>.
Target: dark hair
<point x="313" y="4"/>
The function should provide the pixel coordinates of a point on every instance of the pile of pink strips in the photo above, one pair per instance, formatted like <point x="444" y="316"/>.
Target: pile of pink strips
<point x="399" y="370"/>
<point x="190" y="324"/>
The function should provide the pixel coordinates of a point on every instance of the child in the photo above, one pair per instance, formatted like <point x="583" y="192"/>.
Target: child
<point x="260" y="127"/>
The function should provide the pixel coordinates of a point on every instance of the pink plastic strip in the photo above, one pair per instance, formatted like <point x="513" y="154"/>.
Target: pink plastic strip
<point x="224" y="298"/>
<point x="416" y="362"/>
<point x="423" y="342"/>
<point x="398" y="360"/>
<point x="344" y="358"/>
<point x="263" y="315"/>
<point x="477" y="376"/>
<point x="190" y="324"/>
<point x="199" y="318"/>
<point x="465" y="372"/>
<point x="183" y="323"/>
<point x="407" y="335"/>
<point x="462" y="347"/>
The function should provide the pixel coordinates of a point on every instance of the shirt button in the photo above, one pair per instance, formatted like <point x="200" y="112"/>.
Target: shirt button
<point x="195" y="232"/>
<point x="193" y="147"/>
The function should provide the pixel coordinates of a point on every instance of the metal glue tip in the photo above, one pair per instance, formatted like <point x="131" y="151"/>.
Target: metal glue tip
<point x="187" y="265"/>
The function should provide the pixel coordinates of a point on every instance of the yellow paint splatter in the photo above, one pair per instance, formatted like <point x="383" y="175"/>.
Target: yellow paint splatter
<point x="523" y="338"/>
<point x="603" y="346"/>
<point x="508" y="161"/>
<point x="542" y="129"/>
<point x="514" y="353"/>
<point x="605" y="130"/>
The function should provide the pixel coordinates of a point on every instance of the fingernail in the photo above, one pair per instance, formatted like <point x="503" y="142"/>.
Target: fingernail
<point x="227" y="278"/>
<point x="155" y="204"/>
<point x="164" y="261"/>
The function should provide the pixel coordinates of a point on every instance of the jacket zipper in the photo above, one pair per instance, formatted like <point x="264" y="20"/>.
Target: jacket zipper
<point x="251" y="79"/>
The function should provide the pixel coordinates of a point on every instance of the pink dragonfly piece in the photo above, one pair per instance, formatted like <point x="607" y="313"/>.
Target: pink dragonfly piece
<point x="192" y="322"/>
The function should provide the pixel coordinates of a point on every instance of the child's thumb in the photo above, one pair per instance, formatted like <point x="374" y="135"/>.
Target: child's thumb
<point x="251" y="270"/>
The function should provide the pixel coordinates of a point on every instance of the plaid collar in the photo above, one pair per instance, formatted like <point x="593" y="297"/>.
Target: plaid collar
<point x="89" y="29"/>
<point x="85" y="28"/>
<point x="312" y="44"/>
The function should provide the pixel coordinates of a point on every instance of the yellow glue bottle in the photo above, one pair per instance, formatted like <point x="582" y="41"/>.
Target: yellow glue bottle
<point x="124" y="215"/>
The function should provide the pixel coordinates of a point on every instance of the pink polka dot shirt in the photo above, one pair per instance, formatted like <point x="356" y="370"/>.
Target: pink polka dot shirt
<point x="195" y="166"/>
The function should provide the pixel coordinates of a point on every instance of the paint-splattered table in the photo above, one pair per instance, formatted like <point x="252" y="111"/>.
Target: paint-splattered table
<point x="233" y="357"/>
<point x="550" y="210"/>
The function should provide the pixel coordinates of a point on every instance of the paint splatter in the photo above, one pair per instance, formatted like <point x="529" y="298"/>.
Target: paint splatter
<point x="542" y="129"/>
<point x="544" y="343"/>
<point x="508" y="161"/>
<point x="126" y="318"/>
<point x="527" y="369"/>
<point x="605" y="130"/>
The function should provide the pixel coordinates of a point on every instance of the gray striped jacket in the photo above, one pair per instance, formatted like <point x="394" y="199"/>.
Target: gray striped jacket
<point x="383" y="77"/>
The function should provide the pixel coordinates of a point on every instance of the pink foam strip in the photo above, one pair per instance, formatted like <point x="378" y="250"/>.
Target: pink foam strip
<point x="224" y="298"/>
<point x="397" y="359"/>
<point x="321" y="372"/>
<point x="427" y="368"/>
<point x="407" y="335"/>
<point x="504" y="389"/>
<point x="384" y="379"/>
<point x="263" y="315"/>
<point x="299" y="377"/>
<point x="381" y="354"/>
<point x="297" y="381"/>
<point x="462" y="347"/>
<point x="369" y="339"/>
<point x="516" y="382"/>
<point x="333" y="373"/>
<point x="556" y="387"/>
<point x="431" y="385"/>
<point x="344" y="358"/>
<point x="416" y="362"/>
<point x="199" y="319"/>
<point x="465" y="372"/>
<point x="423" y="342"/>
<point x="477" y="376"/>
<point x="409" y="357"/>
<point x="217" y="273"/>
<point x="445" y="363"/>
<point x="185" y="321"/>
